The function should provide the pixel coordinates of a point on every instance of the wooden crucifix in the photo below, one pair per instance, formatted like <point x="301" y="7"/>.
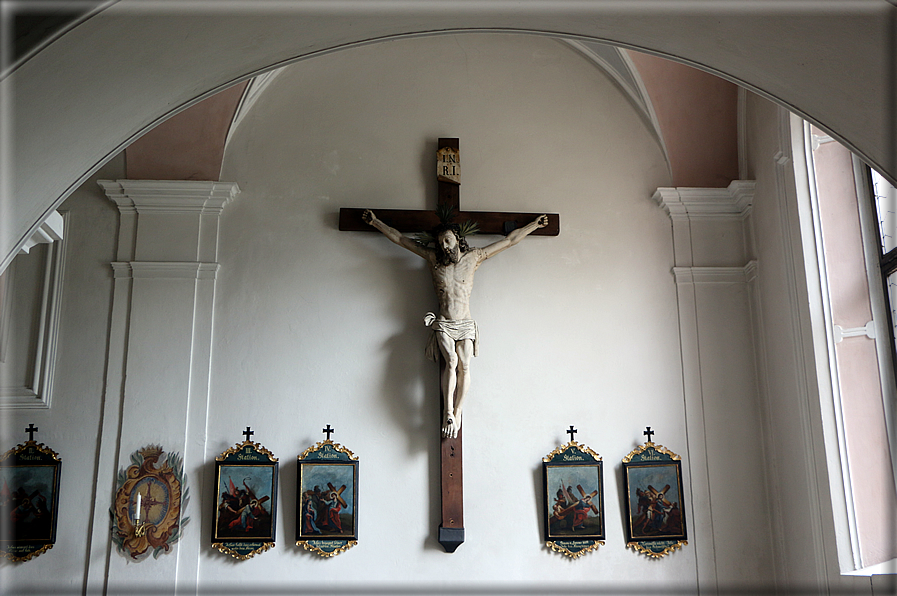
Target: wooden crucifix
<point x="452" y="264"/>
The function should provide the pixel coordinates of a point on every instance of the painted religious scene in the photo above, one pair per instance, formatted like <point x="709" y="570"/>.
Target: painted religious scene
<point x="655" y="503"/>
<point x="327" y="506"/>
<point x="244" y="502"/>
<point x="574" y="501"/>
<point x="27" y="495"/>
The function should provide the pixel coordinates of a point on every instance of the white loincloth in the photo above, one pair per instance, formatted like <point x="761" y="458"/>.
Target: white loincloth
<point x="458" y="330"/>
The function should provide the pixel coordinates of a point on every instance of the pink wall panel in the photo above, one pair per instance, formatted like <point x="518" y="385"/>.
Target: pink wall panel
<point x="187" y="146"/>
<point x="698" y="117"/>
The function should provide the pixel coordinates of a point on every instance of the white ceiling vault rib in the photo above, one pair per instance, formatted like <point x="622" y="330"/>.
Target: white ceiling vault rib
<point x="619" y="67"/>
<point x="612" y="60"/>
<point x="253" y="91"/>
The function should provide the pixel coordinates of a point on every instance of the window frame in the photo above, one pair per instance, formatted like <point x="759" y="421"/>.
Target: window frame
<point x="840" y="484"/>
<point x="880" y="266"/>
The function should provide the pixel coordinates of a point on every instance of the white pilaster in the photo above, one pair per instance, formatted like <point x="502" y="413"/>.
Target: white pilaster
<point x="714" y="277"/>
<point x="164" y="295"/>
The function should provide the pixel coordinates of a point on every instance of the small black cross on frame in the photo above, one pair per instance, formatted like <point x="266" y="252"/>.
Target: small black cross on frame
<point x="328" y="430"/>
<point x="31" y="430"/>
<point x="648" y="432"/>
<point x="248" y="433"/>
<point x="571" y="431"/>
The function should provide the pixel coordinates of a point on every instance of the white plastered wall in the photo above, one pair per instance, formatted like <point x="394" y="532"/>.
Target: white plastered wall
<point x="357" y="129"/>
<point x="313" y="326"/>
<point x="71" y="425"/>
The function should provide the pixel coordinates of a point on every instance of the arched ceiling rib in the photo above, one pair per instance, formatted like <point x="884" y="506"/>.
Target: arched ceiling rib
<point x="698" y="112"/>
<point x="613" y="61"/>
<point x="112" y="77"/>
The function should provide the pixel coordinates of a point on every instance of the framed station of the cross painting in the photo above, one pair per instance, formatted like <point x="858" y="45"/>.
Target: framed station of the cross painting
<point x="573" y="491"/>
<point x="246" y="500"/>
<point x="327" y="507"/>
<point x="654" y="502"/>
<point x="29" y="500"/>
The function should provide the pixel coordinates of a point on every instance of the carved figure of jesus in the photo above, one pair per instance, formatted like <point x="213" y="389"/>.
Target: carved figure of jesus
<point x="452" y="264"/>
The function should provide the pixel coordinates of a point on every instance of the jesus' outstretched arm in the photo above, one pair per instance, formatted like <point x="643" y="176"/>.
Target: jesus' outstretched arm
<point x="515" y="236"/>
<point x="396" y="236"/>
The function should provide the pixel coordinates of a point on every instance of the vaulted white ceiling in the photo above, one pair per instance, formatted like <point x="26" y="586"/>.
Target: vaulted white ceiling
<point x="102" y="84"/>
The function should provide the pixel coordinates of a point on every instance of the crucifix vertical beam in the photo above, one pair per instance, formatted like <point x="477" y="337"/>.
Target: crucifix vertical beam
<point x="451" y="529"/>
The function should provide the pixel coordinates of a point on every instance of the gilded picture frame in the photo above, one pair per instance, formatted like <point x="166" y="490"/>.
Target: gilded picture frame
<point x="573" y="500"/>
<point x="654" y="502"/>
<point x="29" y="500"/>
<point x="327" y="499"/>
<point x="245" y="517"/>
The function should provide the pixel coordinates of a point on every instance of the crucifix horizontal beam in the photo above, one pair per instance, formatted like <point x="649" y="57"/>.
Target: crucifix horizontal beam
<point x="406" y="221"/>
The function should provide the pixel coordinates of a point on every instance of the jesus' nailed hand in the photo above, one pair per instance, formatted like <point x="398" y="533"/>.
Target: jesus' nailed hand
<point x="452" y="264"/>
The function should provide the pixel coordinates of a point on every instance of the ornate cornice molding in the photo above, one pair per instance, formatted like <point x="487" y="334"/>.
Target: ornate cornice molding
<point x="165" y="270"/>
<point x="716" y="275"/>
<point x="734" y="201"/>
<point x="170" y="196"/>
<point x="50" y="231"/>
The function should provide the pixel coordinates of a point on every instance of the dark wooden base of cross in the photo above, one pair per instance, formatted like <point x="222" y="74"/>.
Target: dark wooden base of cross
<point x="451" y="531"/>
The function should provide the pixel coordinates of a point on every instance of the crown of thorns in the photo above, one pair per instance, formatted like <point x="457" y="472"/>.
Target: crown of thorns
<point x="446" y="213"/>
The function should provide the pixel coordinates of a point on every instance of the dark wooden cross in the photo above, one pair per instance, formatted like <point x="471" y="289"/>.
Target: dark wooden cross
<point x="571" y="431"/>
<point x="648" y="432"/>
<point x="31" y="430"/>
<point x="248" y="433"/>
<point x="328" y="430"/>
<point x="451" y="531"/>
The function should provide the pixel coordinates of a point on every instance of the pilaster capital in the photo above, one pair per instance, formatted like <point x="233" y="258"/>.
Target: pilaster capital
<point x="716" y="275"/>
<point x="50" y="231"/>
<point x="170" y="196"/>
<point x="178" y="219"/>
<point x="734" y="201"/>
<point x="164" y="270"/>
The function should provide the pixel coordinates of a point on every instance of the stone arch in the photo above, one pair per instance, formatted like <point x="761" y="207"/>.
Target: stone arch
<point x="102" y="84"/>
